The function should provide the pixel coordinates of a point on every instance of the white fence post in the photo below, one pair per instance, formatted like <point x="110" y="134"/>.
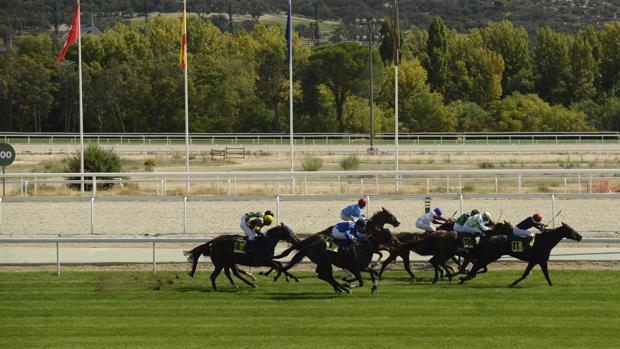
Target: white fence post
<point x="496" y="186"/>
<point x="94" y="186"/>
<point x="92" y="215"/>
<point x="185" y="215"/>
<point x="154" y="265"/>
<point x="553" y="211"/>
<point x="565" y="185"/>
<point x="362" y="185"/>
<point x="461" y="203"/>
<point x="0" y="211"/>
<point x="519" y="185"/>
<point x="377" y="185"/>
<point x="368" y="206"/>
<point x="57" y="260"/>
<point x="428" y="186"/>
<point x="278" y="208"/>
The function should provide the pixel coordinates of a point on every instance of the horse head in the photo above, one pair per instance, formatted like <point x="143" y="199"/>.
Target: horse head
<point x="380" y="218"/>
<point x="283" y="232"/>
<point x="568" y="232"/>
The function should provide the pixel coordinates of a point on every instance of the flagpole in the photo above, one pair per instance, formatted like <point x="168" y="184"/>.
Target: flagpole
<point x="396" y="62"/>
<point x="290" y="75"/>
<point x="186" y="102"/>
<point x="79" y="29"/>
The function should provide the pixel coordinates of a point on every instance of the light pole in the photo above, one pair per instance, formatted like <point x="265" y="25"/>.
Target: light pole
<point x="372" y="25"/>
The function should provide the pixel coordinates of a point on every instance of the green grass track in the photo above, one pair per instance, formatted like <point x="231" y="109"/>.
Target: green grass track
<point x="170" y="310"/>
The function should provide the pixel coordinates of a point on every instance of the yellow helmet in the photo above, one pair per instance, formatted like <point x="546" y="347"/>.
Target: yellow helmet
<point x="268" y="219"/>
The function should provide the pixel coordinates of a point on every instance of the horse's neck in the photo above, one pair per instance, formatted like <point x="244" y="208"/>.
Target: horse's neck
<point x="550" y="238"/>
<point x="378" y="220"/>
<point x="272" y="241"/>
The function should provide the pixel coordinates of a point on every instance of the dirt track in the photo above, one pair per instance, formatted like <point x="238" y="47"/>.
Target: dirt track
<point x="592" y="218"/>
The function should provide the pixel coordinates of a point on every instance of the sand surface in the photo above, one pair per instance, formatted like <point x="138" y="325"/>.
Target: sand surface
<point x="590" y="217"/>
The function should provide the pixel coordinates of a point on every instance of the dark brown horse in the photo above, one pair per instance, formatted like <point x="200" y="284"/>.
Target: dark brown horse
<point x="355" y="258"/>
<point x="441" y="245"/>
<point x="499" y="245"/>
<point x="376" y="222"/>
<point x="223" y="256"/>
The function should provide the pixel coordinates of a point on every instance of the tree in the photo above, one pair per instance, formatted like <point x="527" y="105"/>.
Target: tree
<point x="342" y="68"/>
<point x="610" y="64"/>
<point x="511" y="43"/>
<point x="582" y="70"/>
<point x="437" y="47"/>
<point x="551" y="65"/>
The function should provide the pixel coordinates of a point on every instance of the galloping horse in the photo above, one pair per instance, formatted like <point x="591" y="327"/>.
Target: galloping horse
<point x="355" y="258"/>
<point x="499" y="245"/>
<point x="376" y="222"/>
<point x="221" y="250"/>
<point x="442" y="245"/>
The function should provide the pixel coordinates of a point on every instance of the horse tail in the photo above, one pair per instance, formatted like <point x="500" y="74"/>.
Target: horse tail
<point x="194" y="255"/>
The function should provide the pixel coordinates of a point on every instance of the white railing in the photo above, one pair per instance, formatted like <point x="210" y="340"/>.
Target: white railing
<point x="184" y="201"/>
<point x="154" y="241"/>
<point x="367" y="182"/>
<point x="313" y="138"/>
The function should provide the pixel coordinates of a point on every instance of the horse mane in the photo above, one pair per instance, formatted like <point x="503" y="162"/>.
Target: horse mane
<point x="374" y="215"/>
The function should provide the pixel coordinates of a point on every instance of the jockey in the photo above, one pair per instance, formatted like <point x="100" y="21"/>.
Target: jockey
<point x="354" y="212"/>
<point x="476" y="224"/>
<point x="534" y="221"/>
<point x="424" y="221"/>
<point x="252" y="222"/>
<point x="460" y="222"/>
<point x="349" y="230"/>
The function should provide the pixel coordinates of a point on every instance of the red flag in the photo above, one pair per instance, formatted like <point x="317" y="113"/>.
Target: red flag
<point x="74" y="34"/>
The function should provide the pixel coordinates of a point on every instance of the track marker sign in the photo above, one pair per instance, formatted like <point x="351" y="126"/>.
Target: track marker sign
<point x="7" y="156"/>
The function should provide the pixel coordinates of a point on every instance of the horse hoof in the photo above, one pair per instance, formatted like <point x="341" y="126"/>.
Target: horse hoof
<point x="347" y="291"/>
<point x="254" y="285"/>
<point x="373" y="290"/>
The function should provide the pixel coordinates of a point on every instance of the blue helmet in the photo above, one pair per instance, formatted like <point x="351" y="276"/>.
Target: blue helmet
<point x="438" y="211"/>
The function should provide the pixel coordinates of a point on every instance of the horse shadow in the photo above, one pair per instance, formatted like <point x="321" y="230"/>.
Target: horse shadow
<point x="293" y="296"/>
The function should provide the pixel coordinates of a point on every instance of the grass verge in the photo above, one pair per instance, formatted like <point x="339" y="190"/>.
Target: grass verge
<point x="170" y="310"/>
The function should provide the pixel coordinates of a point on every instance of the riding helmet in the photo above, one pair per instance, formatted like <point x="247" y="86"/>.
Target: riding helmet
<point x="362" y="202"/>
<point x="537" y="217"/>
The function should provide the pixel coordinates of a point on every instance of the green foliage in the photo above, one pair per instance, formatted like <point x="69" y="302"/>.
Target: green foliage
<point x="350" y="163"/>
<point x="437" y="49"/>
<point x="312" y="163"/>
<point x="96" y="159"/>
<point x="486" y="165"/>
<point x="149" y="164"/>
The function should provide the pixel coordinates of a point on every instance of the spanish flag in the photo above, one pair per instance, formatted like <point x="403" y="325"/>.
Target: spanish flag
<point x="183" y="54"/>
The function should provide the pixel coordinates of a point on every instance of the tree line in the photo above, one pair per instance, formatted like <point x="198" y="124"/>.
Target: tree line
<point x="487" y="79"/>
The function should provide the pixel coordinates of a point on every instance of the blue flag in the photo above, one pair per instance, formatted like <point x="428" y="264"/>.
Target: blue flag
<point x="289" y="34"/>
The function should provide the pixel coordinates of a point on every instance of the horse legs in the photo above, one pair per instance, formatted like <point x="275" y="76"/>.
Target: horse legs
<point x="214" y="274"/>
<point x="278" y="266"/>
<point x="325" y="273"/>
<point x="235" y="271"/>
<point x="298" y="257"/>
<point x="358" y="277"/>
<point x="543" y="266"/>
<point x="227" y="272"/>
<point x="389" y="260"/>
<point x="407" y="263"/>
<point x="435" y="264"/>
<point x="374" y="276"/>
<point x="529" y="267"/>
<point x="474" y="270"/>
<point x="247" y="274"/>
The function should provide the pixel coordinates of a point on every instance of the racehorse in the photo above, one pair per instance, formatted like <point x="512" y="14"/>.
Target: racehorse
<point x="355" y="258"/>
<point x="378" y="220"/>
<point x="442" y="245"/>
<point x="223" y="255"/>
<point x="499" y="245"/>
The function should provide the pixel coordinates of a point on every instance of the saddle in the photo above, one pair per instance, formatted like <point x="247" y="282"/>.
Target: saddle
<point x="335" y="245"/>
<point x="520" y="244"/>
<point x="466" y="240"/>
<point x="239" y="243"/>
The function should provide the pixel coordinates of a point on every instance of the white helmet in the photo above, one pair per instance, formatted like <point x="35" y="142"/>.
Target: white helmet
<point x="486" y="216"/>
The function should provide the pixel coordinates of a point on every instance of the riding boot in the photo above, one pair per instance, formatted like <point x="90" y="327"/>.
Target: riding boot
<point x="250" y="245"/>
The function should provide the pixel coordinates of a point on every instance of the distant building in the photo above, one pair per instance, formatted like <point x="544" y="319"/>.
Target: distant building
<point x="90" y="29"/>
